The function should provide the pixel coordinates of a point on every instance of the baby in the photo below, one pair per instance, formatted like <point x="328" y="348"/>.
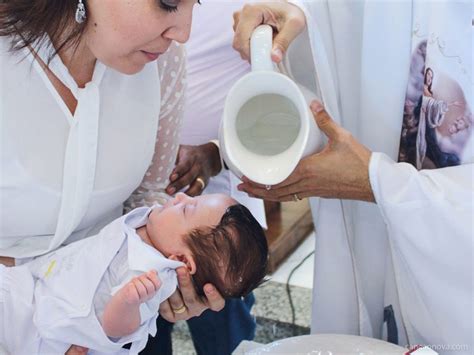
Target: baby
<point x="104" y="291"/>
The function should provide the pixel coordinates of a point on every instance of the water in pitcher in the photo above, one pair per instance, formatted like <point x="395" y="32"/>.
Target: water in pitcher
<point x="268" y="124"/>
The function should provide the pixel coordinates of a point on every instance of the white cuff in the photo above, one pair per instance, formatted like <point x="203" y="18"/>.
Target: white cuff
<point x="374" y="183"/>
<point x="223" y="165"/>
<point x="376" y="160"/>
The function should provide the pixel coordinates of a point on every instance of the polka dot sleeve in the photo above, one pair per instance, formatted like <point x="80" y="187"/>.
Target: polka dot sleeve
<point x="172" y="68"/>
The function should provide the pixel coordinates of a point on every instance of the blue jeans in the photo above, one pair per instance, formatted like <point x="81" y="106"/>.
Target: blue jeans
<point x="213" y="333"/>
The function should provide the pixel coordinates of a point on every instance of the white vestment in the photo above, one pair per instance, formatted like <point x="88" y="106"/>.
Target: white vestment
<point x="412" y="250"/>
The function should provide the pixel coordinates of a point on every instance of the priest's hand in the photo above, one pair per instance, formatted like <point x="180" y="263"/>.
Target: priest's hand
<point x="185" y="303"/>
<point x="340" y="170"/>
<point x="287" y="19"/>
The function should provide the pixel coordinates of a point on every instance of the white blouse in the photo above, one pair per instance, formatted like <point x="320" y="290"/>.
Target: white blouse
<point x="152" y="188"/>
<point x="64" y="177"/>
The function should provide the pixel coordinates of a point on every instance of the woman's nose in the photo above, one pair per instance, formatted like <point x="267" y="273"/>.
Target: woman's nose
<point x="179" y="34"/>
<point x="181" y="29"/>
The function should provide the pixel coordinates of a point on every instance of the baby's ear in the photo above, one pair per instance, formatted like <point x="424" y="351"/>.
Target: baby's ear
<point x="188" y="260"/>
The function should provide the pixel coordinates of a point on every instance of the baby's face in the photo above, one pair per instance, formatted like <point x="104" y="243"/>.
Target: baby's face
<point x="181" y="215"/>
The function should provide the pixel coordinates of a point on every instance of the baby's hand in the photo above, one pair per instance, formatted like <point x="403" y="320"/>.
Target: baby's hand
<point x="142" y="288"/>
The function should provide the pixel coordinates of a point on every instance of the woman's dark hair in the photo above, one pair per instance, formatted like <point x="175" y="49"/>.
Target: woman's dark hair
<point x="432" y="77"/>
<point x="232" y="256"/>
<point x="28" y="21"/>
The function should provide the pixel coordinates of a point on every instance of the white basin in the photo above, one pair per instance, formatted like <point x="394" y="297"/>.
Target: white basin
<point x="327" y="344"/>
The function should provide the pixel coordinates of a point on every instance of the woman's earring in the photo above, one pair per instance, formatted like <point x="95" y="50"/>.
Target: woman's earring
<point x="80" y="12"/>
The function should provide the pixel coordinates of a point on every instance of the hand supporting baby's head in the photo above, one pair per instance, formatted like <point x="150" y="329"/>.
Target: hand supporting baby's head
<point x="232" y="255"/>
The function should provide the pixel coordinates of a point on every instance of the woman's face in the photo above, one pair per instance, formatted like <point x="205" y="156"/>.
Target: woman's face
<point x="128" y="34"/>
<point x="429" y="77"/>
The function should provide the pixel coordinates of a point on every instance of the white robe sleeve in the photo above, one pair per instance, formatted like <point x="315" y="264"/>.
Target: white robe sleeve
<point x="429" y="216"/>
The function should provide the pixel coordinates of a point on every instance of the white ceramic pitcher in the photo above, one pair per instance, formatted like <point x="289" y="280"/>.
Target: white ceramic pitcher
<point x="267" y="126"/>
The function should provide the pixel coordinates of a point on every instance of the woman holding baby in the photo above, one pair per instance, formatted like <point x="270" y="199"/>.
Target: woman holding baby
<point x="82" y="98"/>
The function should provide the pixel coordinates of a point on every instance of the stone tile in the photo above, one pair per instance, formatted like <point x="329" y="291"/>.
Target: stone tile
<point x="182" y="342"/>
<point x="272" y="302"/>
<point x="269" y="330"/>
<point x="273" y="314"/>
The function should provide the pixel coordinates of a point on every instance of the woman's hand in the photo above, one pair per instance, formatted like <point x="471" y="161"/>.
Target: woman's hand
<point x="185" y="302"/>
<point x="4" y="260"/>
<point x="340" y="170"/>
<point x="288" y="21"/>
<point x="195" y="165"/>
<point x="77" y="350"/>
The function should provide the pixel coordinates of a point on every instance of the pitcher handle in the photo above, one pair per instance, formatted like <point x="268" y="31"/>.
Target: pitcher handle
<point x="261" y="48"/>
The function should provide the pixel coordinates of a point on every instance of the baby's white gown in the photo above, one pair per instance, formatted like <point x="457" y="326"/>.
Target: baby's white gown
<point x="58" y="299"/>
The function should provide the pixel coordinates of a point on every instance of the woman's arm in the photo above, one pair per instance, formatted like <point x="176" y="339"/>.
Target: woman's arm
<point x="122" y="313"/>
<point x="172" y="69"/>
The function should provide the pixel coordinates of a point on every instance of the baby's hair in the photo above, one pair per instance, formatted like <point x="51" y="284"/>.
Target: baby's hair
<point x="232" y="256"/>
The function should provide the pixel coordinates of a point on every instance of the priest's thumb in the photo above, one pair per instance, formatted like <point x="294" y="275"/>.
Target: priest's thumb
<point x="330" y="128"/>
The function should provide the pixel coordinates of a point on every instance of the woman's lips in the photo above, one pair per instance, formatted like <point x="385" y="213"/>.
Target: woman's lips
<point x="151" y="56"/>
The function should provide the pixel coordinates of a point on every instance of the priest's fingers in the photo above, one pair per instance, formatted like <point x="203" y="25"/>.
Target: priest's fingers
<point x="214" y="299"/>
<point x="294" y="178"/>
<point x="193" y="302"/>
<point x="174" y="308"/>
<point x="236" y="20"/>
<point x="277" y="192"/>
<point x="166" y="312"/>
